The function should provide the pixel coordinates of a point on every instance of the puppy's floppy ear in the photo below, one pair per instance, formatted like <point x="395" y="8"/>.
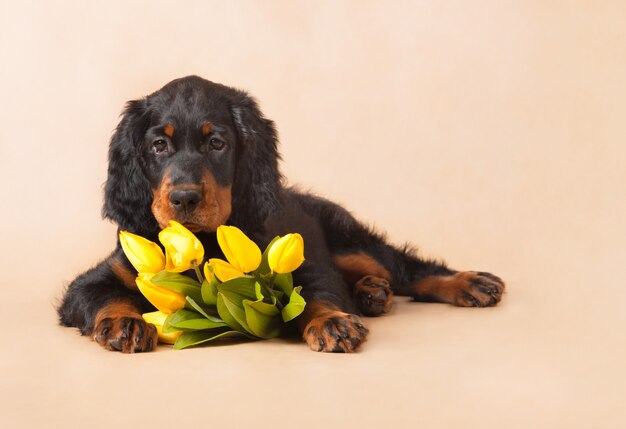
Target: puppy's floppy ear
<point x="257" y="179"/>
<point x="127" y="194"/>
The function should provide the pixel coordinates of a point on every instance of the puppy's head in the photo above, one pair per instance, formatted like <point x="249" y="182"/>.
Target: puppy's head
<point x="196" y="152"/>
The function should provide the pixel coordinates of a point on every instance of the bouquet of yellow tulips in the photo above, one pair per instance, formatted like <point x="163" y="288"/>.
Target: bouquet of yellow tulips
<point x="251" y="294"/>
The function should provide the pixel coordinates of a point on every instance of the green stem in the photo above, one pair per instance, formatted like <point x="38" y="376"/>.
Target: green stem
<point x="272" y="280"/>
<point x="271" y="288"/>
<point x="268" y="290"/>
<point x="278" y="303"/>
<point x="196" y="267"/>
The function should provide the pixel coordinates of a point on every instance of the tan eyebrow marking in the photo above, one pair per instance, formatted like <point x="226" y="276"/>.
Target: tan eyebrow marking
<point x="169" y="130"/>
<point x="207" y="127"/>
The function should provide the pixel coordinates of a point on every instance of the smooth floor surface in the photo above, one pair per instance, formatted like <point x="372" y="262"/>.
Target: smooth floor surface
<point x="491" y="134"/>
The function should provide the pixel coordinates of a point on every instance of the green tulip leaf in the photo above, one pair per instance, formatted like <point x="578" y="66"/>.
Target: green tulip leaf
<point x="182" y="315"/>
<point x="178" y="283"/>
<point x="231" y="311"/>
<point x="264" y="267"/>
<point x="208" y="312"/>
<point x="295" y="306"/>
<point x="242" y="286"/>
<point x="194" y="338"/>
<point x="208" y="292"/>
<point x="164" y="277"/>
<point x="190" y="320"/>
<point x="198" y="324"/>
<point x="166" y="328"/>
<point x="284" y="282"/>
<point x="262" y="318"/>
<point x="257" y="291"/>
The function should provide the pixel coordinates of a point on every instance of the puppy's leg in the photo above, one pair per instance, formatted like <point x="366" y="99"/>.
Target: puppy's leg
<point x="370" y="281"/>
<point x="408" y="275"/>
<point x="358" y="252"/>
<point x="105" y="304"/>
<point x="464" y="288"/>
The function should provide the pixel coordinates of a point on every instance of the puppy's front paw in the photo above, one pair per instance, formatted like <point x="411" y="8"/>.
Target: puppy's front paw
<point x="335" y="332"/>
<point x="125" y="334"/>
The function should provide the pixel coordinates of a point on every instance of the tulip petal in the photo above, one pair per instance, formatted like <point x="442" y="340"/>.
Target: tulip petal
<point x="240" y="251"/>
<point x="223" y="270"/>
<point x="145" y="255"/>
<point x="157" y="318"/>
<point x="162" y="298"/>
<point x="182" y="248"/>
<point x="286" y="254"/>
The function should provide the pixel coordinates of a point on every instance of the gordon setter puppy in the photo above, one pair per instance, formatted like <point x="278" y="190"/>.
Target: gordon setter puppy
<point x="204" y="155"/>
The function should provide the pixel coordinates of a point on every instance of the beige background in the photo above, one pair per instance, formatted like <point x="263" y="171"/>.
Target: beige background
<point x="489" y="133"/>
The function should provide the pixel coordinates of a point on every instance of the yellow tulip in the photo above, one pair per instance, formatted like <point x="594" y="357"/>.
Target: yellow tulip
<point x="182" y="248"/>
<point x="286" y="254"/>
<point x="145" y="255"/>
<point x="161" y="297"/>
<point x="242" y="253"/>
<point x="157" y="318"/>
<point x="223" y="270"/>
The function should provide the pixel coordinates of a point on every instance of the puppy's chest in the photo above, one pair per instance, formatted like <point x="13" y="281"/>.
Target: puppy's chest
<point x="211" y="248"/>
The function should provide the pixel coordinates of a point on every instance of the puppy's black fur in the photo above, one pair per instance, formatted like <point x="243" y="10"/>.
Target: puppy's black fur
<point x="203" y="154"/>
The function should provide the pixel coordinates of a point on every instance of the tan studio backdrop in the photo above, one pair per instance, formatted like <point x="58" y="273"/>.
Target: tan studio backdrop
<point x="488" y="133"/>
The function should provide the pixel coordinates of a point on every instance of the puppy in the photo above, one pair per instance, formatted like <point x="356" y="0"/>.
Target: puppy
<point x="204" y="155"/>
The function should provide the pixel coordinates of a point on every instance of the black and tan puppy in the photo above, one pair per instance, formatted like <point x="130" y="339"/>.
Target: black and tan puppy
<point x="203" y="154"/>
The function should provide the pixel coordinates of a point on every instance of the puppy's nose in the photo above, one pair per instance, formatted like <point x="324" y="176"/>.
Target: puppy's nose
<point x="185" y="200"/>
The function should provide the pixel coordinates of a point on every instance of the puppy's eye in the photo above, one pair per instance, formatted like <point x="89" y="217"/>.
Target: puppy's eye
<point x="216" y="144"/>
<point x="159" y="146"/>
